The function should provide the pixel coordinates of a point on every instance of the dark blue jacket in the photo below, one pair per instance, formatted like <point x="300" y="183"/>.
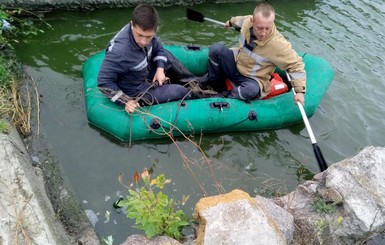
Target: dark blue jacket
<point x="126" y="66"/>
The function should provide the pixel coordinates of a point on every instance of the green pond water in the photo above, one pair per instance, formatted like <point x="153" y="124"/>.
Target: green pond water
<point x="349" y="34"/>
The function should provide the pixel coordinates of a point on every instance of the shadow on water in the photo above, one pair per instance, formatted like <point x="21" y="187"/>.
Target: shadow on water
<point x="268" y="163"/>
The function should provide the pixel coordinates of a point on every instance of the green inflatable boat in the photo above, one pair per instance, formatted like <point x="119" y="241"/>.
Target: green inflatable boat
<point x="201" y="116"/>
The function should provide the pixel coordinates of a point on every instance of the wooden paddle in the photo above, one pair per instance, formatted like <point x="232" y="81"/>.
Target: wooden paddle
<point x="199" y="17"/>
<point x="317" y="151"/>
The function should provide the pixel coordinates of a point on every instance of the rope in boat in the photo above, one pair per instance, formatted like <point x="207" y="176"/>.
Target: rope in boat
<point x="123" y="99"/>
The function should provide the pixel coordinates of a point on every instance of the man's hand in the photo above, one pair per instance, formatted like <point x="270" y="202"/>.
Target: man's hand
<point x="299" y="97"/>
<point x="159" y="76"/>
<point x="131" y="106"/>
<point x="227" y="24"/>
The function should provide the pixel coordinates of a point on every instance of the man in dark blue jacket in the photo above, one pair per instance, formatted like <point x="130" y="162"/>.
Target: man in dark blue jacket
<point x="135" y="65"/>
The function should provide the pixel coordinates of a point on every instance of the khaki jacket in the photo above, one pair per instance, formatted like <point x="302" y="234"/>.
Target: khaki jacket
<point x="274" y="51"/>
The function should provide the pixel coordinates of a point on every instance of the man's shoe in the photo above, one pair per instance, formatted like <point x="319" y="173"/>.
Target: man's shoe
<point x="203" y="80"/>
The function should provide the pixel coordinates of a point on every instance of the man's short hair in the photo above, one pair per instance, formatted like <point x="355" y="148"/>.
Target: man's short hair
<point x="146" y="17"/>
<point x="266" y="9"/>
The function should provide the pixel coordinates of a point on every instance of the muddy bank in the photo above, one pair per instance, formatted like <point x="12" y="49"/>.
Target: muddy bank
<point x="63" y="210"/>
<point x="26" y="212"/>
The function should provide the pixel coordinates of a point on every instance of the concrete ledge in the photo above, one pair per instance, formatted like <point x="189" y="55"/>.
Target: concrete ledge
<point x="26" y="214"/>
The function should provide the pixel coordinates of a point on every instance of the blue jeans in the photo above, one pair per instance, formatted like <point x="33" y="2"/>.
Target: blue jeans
<point x="222" y="66"/>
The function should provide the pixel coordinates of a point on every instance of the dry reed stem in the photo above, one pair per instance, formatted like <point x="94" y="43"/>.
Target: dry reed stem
<point x="37" y="104"/>
<point x="19" y="106"/>
<point x="21" y="117"/>
<point x="5" y="101"/>
<point x="184" y="157"/>
<point x="19" y="221"/>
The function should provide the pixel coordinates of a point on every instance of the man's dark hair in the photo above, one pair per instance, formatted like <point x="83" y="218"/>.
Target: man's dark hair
<point x="146" y="17"/>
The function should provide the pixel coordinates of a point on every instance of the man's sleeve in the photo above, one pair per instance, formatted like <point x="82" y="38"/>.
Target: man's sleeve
<point x="237" y="21"/>
<point x="108" y="77"/>
<point x="287" y="59"/>
<point x="159" y="56"/>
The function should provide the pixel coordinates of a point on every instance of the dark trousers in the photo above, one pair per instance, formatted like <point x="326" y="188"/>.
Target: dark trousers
<point x="168" y="92"/>
<point x="165" y="93"/>
<point x="222" y="66"/>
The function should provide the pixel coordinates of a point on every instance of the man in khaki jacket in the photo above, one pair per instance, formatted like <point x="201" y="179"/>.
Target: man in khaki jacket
<point x="262" y="48"/>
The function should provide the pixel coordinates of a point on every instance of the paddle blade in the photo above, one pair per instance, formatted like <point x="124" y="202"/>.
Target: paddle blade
<point x="194" y="15"/>
<point x="320" y="158"/>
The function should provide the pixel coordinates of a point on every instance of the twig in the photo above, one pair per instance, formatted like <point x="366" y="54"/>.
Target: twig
<point x="37" y="105"/>
<point x="217" y="184"/>
<point x="19" y="223"/>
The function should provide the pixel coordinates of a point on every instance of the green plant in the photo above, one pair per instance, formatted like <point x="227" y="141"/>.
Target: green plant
<point x="320" y="205"/>
<point x="108" y="240"/>
<point x="18" y="24"/>
<point x="303" y="173"/>
<point x="323" y="224"/>
<point x="5" y="74"/>
<point x="15" y="25"/>
<point x="153" y="210"/>
<point x="4" y="127"/>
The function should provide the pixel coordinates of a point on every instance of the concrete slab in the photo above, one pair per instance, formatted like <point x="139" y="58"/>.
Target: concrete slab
<point x="26" y="214"/>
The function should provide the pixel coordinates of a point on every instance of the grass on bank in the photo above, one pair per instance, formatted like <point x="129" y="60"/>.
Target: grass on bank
<point x="16" y="25"/>
<point x="14" y="106"/>
<point x="4" y="128"/>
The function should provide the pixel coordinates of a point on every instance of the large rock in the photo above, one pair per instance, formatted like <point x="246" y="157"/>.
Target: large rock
<point x="142" y="240"/>
<point x="360" y="186"/>
<point x="343" y="205"/>
<point x="236" y="218"/>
